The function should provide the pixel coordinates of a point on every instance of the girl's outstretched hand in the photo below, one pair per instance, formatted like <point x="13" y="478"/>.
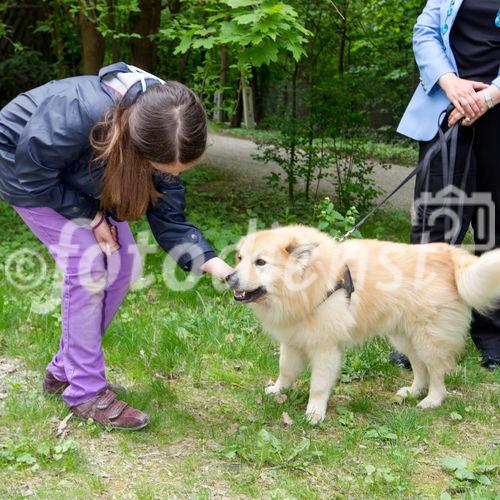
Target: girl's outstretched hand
<point x="217" y="267"/>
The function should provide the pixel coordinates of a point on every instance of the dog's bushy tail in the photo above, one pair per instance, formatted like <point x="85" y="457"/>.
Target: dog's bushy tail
<point x="478" y="279"/>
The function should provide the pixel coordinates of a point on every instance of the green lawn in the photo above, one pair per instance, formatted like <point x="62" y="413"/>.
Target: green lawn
<point x="197" y="363"/>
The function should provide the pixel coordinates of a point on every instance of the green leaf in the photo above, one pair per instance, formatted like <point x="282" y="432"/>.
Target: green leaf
<point x="445" y="496"/>
<point x="369" y="469"/>
<point x="206" y="43"/>
<point x="26" y="458"/>
<point x="43" y="449"/>
<point x="464" y="474"/>
<point x="247" y="19"/>
<point x="484" y="480"/>
<point x="455" y="416"/>
<point x="453" y="463"/>
<point x="240" y="3"/>
<point x="183" y="46"/>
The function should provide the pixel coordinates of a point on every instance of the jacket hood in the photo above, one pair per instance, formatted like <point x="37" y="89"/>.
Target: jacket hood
<point x="130" y="80"/>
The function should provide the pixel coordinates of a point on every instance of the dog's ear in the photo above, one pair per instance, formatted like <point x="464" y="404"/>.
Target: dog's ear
<point x="301" y="251"/>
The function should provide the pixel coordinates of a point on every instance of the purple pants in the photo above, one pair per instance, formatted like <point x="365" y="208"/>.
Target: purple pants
<point x="94" y="287"/>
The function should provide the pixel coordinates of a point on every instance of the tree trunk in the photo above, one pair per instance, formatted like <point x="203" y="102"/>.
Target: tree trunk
<point x="220" y="114"/>
<point x="115" y="46"/>
<point x="254" y="82"/>
<point x="238" y="113"/>
<point x="143" y="50"/>
<point x="92" y="44"/>
<point x="248" y="111"/>
<point x="343" y="39"/>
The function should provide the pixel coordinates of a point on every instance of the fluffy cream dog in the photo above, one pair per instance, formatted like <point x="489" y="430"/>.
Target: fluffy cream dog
<point x="296" y="280"/>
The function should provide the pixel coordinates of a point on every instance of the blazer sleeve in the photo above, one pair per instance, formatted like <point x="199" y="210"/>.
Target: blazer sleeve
<point x="429" y="48"/>
<point x="171" y="229"/>
<point x="53" y="139"/>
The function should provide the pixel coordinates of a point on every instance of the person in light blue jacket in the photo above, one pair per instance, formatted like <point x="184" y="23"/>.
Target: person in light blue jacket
<point x="457" y="49"/>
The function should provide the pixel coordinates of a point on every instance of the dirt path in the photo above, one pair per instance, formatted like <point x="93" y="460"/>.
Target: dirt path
<point x="235" y="155"/>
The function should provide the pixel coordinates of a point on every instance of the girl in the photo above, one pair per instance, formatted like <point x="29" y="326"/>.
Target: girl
<point x="78" y="158"/>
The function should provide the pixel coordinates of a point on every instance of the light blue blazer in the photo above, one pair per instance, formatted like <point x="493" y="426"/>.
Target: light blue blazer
<point x="434" y="57"/>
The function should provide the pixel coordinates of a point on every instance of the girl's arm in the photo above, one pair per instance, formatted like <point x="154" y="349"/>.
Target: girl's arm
<point x="174" y="232"/>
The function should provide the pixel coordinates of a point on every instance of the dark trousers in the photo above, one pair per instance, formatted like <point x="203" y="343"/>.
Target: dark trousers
<point x="483" y="177"/>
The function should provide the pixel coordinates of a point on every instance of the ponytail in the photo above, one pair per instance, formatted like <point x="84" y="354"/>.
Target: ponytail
<point x="127" y="182"/>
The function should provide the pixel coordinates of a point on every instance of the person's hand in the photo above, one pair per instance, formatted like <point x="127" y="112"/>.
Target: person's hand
<point x="456" y="116"/>
<point x="217" y="267"/>
<point x="463" y="94"/>
<point x="105" y="234"/>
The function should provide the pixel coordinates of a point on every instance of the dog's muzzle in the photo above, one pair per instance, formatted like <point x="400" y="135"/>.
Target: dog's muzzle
<point x="243" y="296"/>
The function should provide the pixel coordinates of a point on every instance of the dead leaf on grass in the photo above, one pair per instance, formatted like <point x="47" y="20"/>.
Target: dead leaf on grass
<point x="63" y="424"/>
<point x="281" y="398"/>
<point x="286" y="419"/>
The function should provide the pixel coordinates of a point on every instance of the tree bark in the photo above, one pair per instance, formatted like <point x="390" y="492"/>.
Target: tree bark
<point x="343" y="38"/>
<point x="238" y="113"/>
<point x="143" y="49"/>
<point x="115" y="46"/>
<point x="92" y="44"/>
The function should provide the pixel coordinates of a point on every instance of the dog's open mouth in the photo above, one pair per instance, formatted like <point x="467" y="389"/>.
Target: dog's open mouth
<point x="249" y="296"/>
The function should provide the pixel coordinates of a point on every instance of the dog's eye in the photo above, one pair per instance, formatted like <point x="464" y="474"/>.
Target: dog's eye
<point x="260" y="262"/>
<point x="238" y="258"/>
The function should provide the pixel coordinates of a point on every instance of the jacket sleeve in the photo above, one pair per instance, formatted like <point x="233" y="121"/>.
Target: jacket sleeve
<point x="428" y="46"/>
<point x="173" y="232"/>
<point x="53" y="139"/>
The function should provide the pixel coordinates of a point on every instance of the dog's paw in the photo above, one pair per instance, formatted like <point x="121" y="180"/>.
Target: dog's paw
<point x="315" y="417"/>
<point x="409" y="392"/>
<point x="315" y="413"/>
<point x="428" y="403"/>
<point x="272" y="389"/>
<point x="405" y="392"/>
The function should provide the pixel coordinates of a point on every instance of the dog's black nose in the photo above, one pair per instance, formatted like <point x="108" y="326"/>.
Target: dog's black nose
<point x="232" y="279"/>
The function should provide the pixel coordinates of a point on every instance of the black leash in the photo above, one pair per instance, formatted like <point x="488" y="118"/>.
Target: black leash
<point x="448" y="165"/>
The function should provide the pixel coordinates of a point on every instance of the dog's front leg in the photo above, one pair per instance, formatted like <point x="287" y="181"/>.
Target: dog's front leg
<point x="291" y="364"/>
<point x="325" y="369"/>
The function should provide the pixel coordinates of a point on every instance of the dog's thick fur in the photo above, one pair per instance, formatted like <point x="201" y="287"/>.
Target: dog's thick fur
<point x="419" y="296"/>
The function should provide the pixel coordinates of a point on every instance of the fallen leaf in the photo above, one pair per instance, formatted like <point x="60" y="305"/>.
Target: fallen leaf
<point x="151" y="296"/>
<point x="281" y="398"/>
<point x="286" y="419"/>
<point x="63" y="424"/>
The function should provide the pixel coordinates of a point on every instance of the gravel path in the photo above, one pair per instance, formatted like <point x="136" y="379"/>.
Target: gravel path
<point x="235" y="155"/>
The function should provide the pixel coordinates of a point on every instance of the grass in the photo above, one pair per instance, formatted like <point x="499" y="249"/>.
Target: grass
<point x="197" y="363"/>
<point x="403" y="153"/>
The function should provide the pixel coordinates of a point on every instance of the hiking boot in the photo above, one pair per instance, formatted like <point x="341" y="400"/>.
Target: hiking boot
<point x="53" y="386"/>
<point x="106" y="410"/>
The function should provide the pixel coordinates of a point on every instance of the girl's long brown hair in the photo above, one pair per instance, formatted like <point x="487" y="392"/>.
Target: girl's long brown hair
<point x="167" y="124"/>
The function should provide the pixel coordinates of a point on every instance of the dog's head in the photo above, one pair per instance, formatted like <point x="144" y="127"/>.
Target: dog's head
<point x="275" y="264"/>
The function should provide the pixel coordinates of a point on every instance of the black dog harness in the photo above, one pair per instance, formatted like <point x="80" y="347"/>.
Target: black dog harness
<point x="345" y="284"/>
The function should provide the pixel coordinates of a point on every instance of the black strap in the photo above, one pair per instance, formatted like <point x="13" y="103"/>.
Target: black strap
<point x="448" y="165"/>
<point x="345" y="283"/>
